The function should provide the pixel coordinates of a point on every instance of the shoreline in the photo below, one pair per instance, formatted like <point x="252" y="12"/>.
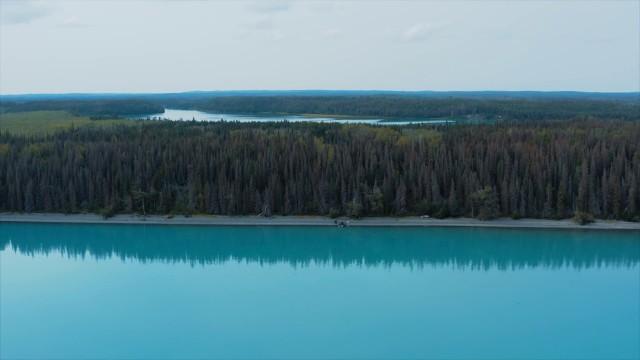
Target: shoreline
<point x="248" y="220"/>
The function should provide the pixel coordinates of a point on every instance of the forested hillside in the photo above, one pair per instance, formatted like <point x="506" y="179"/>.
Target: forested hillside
<point x="544" y="170"/>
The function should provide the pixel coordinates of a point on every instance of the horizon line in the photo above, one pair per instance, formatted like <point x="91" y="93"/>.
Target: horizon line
<point x="629" y="92"/>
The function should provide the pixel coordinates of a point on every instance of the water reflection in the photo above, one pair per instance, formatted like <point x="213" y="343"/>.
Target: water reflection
<point x="300" y="246"/>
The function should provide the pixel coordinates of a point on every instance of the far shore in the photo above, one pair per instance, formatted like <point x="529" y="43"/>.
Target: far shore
<point x="216" y="220"/>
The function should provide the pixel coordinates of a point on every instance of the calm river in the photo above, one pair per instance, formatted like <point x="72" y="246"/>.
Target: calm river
<point x="188" y="115"/>
<point x="165" y="292"/>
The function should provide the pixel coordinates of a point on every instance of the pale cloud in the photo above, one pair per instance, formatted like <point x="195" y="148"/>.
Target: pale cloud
<point x="322" y="7"/>
<point x="332" y="32"/>
<point x="410" y="45"/>
<point x="270" y="6"/>
<point x="277" y="35"/>
<point x="73" y="22"/>
<point x="22" y="12"/>
<point x="263" y="23"/>
<point x="268" y="11"/>
<point x="421" y="31"/>
<point x="261" y="27"/>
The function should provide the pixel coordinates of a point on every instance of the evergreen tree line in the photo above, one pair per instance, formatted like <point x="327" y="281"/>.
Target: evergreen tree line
<point x="419" y="107"/>
<point x="386" y="106"/>
<point x="96" y="109"/>
<point x="541" y="170"/>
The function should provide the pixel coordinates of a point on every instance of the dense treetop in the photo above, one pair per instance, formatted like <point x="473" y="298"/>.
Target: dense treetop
<point x="541" y="169"/>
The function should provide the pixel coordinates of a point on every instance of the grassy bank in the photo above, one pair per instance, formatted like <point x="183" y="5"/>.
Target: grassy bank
<point x="48" y="122"/>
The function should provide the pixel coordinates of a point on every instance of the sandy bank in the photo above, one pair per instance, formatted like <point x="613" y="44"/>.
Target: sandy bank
<point x="313" y="221"/>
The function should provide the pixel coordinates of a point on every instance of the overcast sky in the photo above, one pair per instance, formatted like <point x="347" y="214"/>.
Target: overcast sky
<point x="161" y="46"/>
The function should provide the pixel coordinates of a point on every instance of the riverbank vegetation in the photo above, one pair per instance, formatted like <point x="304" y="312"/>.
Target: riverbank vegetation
<point x="541" y="170"/>
<point x="466" y="106"/>
<point x="386" y="106"/>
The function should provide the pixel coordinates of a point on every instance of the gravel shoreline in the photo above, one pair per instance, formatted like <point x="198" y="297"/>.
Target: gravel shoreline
<point x="204" y="220"/>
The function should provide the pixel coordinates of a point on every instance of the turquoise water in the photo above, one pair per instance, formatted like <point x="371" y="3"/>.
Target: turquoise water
<point x="156" y="292"/>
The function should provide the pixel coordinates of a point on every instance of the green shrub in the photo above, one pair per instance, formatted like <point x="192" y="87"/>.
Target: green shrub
<point x="484" y="204"/>
<point x="583" y="218"/>
<point x="334" y="213"/>
<point x="108" y="212"/>
<point x="443" y="213"/>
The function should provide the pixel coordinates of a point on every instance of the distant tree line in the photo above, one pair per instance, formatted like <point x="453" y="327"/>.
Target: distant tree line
<point x="385" y="106"/>
<point x="96" y="109"/>
<point x="420" y="107"/>
<point x="541" y="170"/>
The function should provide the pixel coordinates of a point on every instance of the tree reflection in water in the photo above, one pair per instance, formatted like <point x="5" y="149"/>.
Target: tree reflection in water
<point x="466" y="248"/>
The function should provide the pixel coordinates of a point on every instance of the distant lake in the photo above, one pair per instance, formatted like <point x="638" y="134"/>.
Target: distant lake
<point x="189" y="292"/>
<point x="188" y="115"/>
